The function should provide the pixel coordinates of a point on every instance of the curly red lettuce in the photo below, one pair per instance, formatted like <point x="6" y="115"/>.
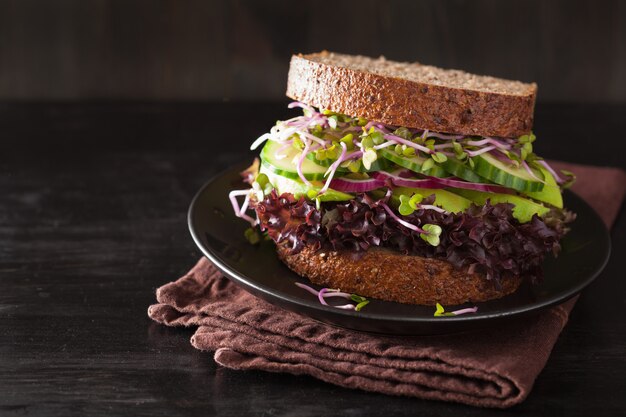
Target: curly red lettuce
<point x="484" y="239"/>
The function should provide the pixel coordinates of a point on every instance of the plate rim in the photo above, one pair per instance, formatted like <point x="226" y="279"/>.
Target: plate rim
<point x="254" y="287"/>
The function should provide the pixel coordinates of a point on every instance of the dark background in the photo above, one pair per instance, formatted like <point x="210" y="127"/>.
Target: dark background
<point x="112" y="116"/>
<point x="233" y="50"/>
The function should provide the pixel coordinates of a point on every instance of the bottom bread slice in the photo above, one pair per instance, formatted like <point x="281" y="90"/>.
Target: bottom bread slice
<point x="392" y="276"/>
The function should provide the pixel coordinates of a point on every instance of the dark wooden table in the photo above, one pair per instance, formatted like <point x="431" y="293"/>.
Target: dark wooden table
<point x="93" y="201"/>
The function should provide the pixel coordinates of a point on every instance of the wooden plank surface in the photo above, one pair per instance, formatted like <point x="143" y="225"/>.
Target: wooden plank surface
<point x="93" y="219"/>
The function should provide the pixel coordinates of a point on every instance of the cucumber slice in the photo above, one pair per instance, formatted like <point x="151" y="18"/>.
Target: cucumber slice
<point x="381" y="164"/>
<point x="523" y="210"/>
<point x="413" y="163"/>
<point x="461" y="170"/>
<point x="551" y="192"/>
<point x="298" y="188"/>
<point x="508" y="175"/>
<point x="284" y="164"/>
<point x="324" y="162"/>
<point x="447" y="200"/>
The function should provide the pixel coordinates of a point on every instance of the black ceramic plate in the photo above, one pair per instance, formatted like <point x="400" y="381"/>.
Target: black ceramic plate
<point x="220" y="235"/>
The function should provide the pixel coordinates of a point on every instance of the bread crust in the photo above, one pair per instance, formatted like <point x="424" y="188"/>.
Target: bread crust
<point x="401" y="102"/>
<point x="392" y="276"/>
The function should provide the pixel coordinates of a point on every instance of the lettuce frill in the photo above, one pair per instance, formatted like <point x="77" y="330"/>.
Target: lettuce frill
<point x="485" y="239"/>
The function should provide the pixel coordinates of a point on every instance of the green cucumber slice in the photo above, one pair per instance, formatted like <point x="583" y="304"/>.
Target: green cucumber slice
<point x="413" y="163"/>
<point x="324" y="162"/>
<point x="523" y="210"/>
<point x="447" y="200"/>
<point x="508" y="175"/>
<point x="381" y="164"/>
<point x="461" y="170"/>
<point x="298" y="188"/>
<point x="551" y="192"/>
<point x="286" y="166"/>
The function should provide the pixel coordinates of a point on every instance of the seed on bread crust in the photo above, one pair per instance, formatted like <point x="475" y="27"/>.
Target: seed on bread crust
<point x="413" y="95"/>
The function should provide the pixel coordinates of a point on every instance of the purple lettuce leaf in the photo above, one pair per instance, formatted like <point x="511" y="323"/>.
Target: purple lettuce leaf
<point x="485" y="239"/>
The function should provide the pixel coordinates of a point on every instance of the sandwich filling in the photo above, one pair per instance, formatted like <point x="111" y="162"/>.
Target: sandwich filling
<point x="485" y="204"/>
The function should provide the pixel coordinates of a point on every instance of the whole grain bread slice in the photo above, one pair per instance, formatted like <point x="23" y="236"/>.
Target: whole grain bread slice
<point x="389" y="275"/>
<point x="412" y="95"/>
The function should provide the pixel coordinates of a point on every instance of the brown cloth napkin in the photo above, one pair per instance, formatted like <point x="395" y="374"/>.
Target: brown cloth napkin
<point x="489" y="368"/>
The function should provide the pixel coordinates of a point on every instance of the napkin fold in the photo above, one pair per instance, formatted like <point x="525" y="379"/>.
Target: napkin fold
<point x="492" y="367"/>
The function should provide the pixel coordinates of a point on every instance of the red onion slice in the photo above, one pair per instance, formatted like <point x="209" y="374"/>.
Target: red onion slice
<point x="400" y="181"/>
<point x="356" y="186"/>
<point x="476" y="186"/>
<point x="434" y="183"/>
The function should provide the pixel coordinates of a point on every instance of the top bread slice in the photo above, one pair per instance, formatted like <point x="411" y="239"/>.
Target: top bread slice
<point x="412" y="95"/>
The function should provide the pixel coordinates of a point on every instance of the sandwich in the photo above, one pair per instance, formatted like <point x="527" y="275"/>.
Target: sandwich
<point x="406" y="182"/>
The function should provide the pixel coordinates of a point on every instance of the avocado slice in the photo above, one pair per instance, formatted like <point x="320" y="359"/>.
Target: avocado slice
<point x="523" y="210"/>
<point x="551" y="193"/>
<point x="448" y="201"/>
